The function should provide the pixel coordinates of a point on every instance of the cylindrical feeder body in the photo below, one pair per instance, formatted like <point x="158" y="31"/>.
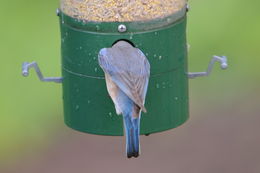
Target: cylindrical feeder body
<point x="87" y="105"/>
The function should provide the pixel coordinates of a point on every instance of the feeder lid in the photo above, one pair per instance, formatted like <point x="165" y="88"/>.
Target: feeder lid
<point x="121" y="10"/>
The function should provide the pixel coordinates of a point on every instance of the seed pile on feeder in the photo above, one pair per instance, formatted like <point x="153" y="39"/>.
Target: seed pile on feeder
<point x="120" y="10"/>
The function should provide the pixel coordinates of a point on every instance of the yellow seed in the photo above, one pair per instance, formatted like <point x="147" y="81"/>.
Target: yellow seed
<point x="121" y="10"/>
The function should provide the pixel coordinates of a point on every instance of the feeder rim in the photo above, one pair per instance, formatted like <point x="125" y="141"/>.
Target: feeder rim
<point x="116" y="27"/>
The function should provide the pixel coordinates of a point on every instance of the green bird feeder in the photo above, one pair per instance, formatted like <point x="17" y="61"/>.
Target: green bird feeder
<point x="160" y="33"/>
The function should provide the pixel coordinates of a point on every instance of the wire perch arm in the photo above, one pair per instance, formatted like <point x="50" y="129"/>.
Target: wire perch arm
<point x="25" y="72"/>
<point x="223" y="64"/>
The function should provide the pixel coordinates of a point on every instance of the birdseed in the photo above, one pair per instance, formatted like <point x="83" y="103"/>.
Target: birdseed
<point x="120" y="10"/>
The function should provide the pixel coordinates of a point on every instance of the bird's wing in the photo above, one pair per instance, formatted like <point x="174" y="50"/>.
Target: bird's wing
<point x="129" y="69"/>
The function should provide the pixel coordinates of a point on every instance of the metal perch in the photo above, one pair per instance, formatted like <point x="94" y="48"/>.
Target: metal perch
<point x="223" y="65"/>
<point x="25" y="71"/>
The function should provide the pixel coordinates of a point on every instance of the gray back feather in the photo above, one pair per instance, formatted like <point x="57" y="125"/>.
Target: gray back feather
<point x="128" y="68"/>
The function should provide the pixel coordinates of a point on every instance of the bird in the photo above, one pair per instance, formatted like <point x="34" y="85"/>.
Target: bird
<point x="127" y="72"/>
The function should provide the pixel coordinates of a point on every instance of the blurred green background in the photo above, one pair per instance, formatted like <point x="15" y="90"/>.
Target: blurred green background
<point x="222" y="134"/>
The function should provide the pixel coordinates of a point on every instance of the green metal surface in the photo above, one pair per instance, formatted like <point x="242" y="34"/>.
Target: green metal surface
<point x="87" y="105"/>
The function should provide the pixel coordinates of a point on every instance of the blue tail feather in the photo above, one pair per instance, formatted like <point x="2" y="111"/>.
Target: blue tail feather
<point x="131" y="124"/>
<point x="136" y="132"/>
<point x="132" y="136"/>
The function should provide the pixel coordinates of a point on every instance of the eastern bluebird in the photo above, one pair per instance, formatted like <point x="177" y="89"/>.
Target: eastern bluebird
<point x="127" y="73"/>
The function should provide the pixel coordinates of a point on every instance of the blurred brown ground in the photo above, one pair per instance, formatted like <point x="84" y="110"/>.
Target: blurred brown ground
<point x="227" y="141"/>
